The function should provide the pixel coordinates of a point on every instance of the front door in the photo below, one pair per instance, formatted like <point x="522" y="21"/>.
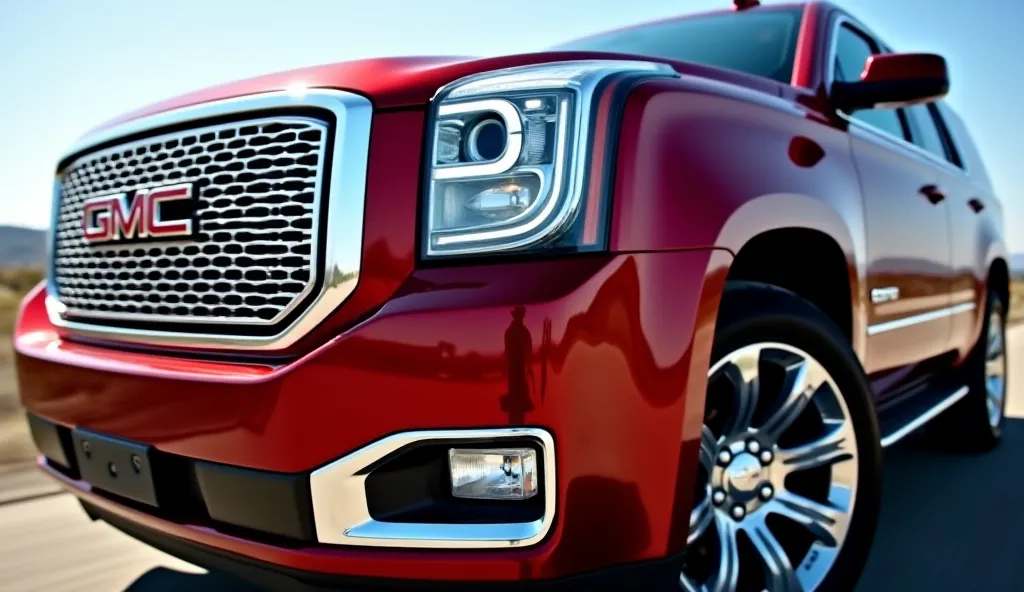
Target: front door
<point x="908" y="244"/>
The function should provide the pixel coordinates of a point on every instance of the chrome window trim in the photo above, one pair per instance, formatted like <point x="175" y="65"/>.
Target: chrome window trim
<point x="934" y="315"/>
<point x="343" y="233"/>
<point x="342" y="517"/>
<point x="903" y="144"/>
<point x="844" y="19"/>
<point x="946" y="131"/>
<point x="913" y="125"/>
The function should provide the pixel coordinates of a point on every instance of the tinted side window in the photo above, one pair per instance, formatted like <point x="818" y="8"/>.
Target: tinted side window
<point x="925" y="133"/>
<point x="852" y="52"/>
<point x="965" y="152"/>
<point x="953" y="154"/>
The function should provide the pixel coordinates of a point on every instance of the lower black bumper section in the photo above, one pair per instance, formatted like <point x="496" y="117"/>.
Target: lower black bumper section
<point x="177" y="487"/>
<point x="54" y="443"/>
<point x="649" y="576"/>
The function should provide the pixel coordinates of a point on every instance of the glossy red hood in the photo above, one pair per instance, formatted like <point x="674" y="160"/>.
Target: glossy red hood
<point x="409" y="81"/>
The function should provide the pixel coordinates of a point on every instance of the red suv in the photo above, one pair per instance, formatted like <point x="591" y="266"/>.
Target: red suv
<point x="638" y="312"/>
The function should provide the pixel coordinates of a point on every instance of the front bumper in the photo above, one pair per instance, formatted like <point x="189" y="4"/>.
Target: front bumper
<point x="603" y="358"/>
<point x="662" y="574"/>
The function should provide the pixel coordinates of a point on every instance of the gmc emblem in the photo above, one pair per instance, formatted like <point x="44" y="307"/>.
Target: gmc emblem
<point x="114" y="217"/>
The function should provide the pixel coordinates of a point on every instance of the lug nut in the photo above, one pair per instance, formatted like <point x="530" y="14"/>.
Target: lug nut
<point x="738" y="512"/>
<point x="136" y="463"/>
<point x="767" y="492"/>
<point x="724" y="457"/>
<point x="718" y="497"/>
<point x="753" y="447"/>
<point x="766" y="456"/>
<point x="112" y="469"/>
<point x="86" y="449"/>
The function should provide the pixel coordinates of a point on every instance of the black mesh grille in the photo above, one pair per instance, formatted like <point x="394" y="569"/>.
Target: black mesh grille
<point x="252" y="259"/>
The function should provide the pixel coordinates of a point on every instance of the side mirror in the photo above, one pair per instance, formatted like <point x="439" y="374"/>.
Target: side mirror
<point x="894" y="80"/>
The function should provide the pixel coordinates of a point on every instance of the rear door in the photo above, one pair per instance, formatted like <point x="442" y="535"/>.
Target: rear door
<point x="974" y="217"/>
<point x="908" y="237"/>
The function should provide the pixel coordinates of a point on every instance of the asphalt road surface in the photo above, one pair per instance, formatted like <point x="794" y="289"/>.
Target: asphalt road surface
<point x="949" y="522"/>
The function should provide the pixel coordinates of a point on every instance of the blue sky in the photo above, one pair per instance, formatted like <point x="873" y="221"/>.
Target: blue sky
<point x="67" y="65"/>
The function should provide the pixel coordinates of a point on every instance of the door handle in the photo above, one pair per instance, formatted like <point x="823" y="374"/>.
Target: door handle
<point x="933" y="193"/>
<point x="976" y="204"/>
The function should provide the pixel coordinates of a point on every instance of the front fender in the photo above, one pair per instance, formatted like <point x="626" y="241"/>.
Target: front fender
<point x="704" y="164"/>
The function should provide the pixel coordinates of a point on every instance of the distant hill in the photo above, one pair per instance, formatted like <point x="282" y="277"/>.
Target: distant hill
<point x="1017" y="265"/>
<point x="22" y="247"/>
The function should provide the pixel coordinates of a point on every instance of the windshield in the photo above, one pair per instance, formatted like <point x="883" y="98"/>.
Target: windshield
<point x="759" y="42"/>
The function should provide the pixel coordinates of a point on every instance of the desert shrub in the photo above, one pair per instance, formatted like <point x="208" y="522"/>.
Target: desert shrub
<point x="14" y="283"/>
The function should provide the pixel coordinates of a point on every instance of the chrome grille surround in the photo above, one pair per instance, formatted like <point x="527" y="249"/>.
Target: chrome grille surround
<point x="341" y="248"/>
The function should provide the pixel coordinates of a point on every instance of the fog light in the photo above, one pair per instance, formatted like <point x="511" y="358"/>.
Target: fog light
<point x="504" y="474"/>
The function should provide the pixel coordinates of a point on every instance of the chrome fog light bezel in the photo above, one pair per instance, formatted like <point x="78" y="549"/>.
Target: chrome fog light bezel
<point x="341" y="510"/>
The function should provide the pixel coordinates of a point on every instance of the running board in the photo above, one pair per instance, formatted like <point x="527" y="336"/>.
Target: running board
<point x="914" y="413"/>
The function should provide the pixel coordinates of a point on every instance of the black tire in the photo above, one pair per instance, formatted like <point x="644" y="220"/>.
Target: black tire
<point x="965" y="426"/>
<point x="753" y="313"/>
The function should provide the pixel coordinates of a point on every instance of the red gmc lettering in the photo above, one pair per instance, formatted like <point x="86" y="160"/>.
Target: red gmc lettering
<point x="157" y="227"/>
<point x="109" y="218"/>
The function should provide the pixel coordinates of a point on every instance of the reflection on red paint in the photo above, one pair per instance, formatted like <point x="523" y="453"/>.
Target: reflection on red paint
<point x="518" y="369"/>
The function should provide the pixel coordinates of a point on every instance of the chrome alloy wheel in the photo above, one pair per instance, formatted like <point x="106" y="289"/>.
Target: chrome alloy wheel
<point x="995" y="368"/>
<point x="778" y="472"/>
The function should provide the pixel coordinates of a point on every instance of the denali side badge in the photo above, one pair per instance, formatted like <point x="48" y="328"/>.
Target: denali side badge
<point x="155" y="213"/>
<point x="887" y="294"/>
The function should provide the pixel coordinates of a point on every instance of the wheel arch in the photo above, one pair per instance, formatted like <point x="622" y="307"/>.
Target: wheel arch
<point x="784" y="257"/>
<point x="829" y="269"/>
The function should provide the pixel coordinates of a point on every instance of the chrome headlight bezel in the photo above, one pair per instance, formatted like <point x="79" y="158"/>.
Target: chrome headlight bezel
<point x="545" y="165"/>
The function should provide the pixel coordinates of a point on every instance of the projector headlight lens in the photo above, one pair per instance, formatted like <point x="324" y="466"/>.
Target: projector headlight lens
<point x="510" y="157"/>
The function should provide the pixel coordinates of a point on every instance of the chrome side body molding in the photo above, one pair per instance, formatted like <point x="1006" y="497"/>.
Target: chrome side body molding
<point x="921" y="318"/>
